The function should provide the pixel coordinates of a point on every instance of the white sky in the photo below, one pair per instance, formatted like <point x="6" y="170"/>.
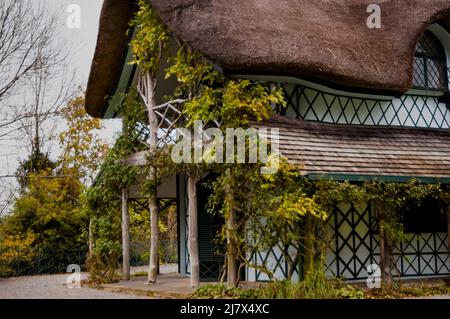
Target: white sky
<point x="82" y="42"/>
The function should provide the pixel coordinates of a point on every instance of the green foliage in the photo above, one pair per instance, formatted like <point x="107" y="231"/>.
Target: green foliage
<point x="394" y="198"/>
<point x="103" y="200"/>
<point x="223" y="292"/>
<point x="194" y="74"/>
<point x="35" y="163"/>
<point x="350" y="292"/>
<point x="244" y="100"/>
<point x="15" y="250"/>
<point x="150" y="39"/>
<point x="102" y="206"/>
<point x="327" y="289"/>
<point x="408" y="292"/>
<point x="82" y="149"/>
<point x="46" y="229"/>
<point x="45" y="221"/>
<point x="320" y="288"/>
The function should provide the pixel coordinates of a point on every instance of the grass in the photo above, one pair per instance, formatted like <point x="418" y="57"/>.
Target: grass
<point x="407" y="292"/>
<point x="319" y="287"/>
<point x="140" y="274"/>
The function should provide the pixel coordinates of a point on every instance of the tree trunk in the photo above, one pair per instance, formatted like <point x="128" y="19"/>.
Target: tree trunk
<point x="125" y="236"/>
<point x="193" y="232"/>
<point x="386" y="259"/>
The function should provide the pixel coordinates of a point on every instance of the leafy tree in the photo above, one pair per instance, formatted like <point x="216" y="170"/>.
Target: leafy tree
<point x="36" y="163"/>
<point x="46" y="218"/>
<point x="48" y="222"/>
<point x="82" y="149"/>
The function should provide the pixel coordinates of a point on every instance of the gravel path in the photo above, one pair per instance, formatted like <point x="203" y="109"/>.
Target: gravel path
<point x="53" y="287"/>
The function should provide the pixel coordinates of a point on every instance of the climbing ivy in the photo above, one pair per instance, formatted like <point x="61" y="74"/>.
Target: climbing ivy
<point x="150" y="39"/>
<point x="102" y="201"/>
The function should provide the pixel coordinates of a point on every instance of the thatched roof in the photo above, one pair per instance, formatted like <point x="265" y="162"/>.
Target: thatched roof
<point x="109" y="56"/>
<point x="364" y="151"/>
<point x="327" y="40"/>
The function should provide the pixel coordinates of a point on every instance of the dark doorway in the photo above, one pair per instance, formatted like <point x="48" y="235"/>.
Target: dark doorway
<point x="211" y="250"/>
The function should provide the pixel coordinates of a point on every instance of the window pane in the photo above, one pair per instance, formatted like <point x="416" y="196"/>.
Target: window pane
<point x="436" y="74"/>
<point x="425" y="217"/>
<point x="419" y="72"/>
<point x="429" y="45"/>
<point x="430" y="63"/>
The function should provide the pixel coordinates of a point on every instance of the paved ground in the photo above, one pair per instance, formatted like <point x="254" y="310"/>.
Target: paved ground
<point x="55" y="287"/>
<point x="163" y="269"/>
<point x="167" y="286"/>
<point x="52" y="287"/>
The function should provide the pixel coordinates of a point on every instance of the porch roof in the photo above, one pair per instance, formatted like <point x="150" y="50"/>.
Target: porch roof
<point x="353" y="152"/>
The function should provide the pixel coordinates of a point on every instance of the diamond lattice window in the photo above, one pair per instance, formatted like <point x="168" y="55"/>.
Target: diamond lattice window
<point x="430" y="64"/>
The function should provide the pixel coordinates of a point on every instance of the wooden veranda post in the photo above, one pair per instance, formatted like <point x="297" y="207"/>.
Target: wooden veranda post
<point x="308" y="246"/>
<point x="147" y="88"/>
<point x="386" y="258"/>
<point x="193" y="231"/>
<point x="232" y="247"/>
<point x="91" y="241"/>
<point x="448" y="226"/>
<point x="232" y="266"/>
<point x="125" y="236"/>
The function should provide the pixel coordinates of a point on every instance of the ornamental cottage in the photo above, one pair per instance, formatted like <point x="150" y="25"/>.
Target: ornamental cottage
<point x="362" y="104"/>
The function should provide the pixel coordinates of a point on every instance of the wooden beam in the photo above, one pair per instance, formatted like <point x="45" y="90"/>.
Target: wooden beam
<point x="137" y="159"/>
<point x="166" y="190"/>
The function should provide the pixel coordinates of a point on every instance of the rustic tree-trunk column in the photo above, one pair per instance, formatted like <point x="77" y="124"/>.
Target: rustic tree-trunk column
<point x="232" y="266"/>
<point x="448" y="226"/>
<point x="193" y="232"/>
<point x="232" y="248"/>
<point x="385" y="248"/>
<point x="154" y="239"/>
<point x="91" y="242"/>
<point x="147" y="91"/>
<point x="308" y="263"/>
<point x="125" y="236"/>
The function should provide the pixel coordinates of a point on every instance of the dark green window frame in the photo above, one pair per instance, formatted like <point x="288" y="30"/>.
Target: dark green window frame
<point x="430" y="64"/>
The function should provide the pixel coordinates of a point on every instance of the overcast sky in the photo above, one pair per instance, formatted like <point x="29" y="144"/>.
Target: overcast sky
<point x="82" y="45"/>
<point x="82" y="42"/>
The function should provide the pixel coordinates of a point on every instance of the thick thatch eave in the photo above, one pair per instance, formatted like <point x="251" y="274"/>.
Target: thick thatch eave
<point x="327" y="40"/>
<point x="109" y="56"/>
<point x="320" y="39"/>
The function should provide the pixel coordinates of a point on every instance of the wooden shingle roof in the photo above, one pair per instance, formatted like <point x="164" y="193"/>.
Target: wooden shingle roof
<point x="364" y="151"/>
